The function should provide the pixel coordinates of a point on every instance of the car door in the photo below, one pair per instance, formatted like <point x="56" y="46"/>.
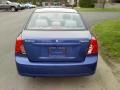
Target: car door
<point x="6" y="5"/>
<point x="1" y="5"/>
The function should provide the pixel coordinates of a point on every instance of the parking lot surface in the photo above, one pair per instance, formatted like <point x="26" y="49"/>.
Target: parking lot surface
<point x="11" y="24"/>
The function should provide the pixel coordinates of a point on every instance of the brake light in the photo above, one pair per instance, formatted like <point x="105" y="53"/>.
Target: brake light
<point x="93" y="47"/>
<point x="19" y="46"/>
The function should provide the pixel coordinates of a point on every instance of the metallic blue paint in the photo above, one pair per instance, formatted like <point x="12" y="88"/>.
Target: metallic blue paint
<point x="27" y="68"/>
<point x="38" y="62"/>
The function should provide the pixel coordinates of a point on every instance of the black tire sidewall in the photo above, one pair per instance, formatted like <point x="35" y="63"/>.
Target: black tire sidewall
<point x="13" y="9"/>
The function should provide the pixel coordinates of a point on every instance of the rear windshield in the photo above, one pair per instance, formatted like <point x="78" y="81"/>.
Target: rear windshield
<point x="51" y="21"/>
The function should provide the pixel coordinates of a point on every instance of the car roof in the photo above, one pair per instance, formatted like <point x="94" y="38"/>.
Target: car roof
<point x="68" y="10"/>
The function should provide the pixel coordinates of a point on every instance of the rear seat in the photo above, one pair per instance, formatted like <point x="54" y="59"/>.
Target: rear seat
<point x="70" y="24"/>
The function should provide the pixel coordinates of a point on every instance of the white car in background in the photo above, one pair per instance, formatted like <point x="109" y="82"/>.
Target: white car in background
<point x="28" y="5"/>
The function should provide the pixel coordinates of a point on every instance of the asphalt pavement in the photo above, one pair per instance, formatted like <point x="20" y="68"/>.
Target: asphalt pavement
<point x="11" y="24"/>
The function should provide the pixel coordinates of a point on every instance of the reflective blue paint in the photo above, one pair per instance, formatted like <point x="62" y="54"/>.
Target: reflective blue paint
<point x="40" y="60"/>
<point x="37" y="61"/>
<point x="27" y="68"/>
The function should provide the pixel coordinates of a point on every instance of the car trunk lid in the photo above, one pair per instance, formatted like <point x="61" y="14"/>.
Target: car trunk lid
<point x="48" y="46"/>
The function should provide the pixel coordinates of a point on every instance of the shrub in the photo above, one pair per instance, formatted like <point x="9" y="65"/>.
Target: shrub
<point x="87" y="3"/>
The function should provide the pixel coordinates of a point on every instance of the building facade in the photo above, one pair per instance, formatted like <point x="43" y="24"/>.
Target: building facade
<point x="59" y="2"/>
<point x="2" y="1"/>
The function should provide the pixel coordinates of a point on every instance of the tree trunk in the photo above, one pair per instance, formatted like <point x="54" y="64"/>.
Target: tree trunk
<point x="104" y="2"/>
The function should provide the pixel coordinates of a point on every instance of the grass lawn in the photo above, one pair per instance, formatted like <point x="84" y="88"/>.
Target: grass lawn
<point x="108" y="35"/>
<point x="98" y="9"/>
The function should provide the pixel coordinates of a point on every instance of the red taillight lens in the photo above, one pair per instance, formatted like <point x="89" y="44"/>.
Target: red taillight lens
<point x="19" y="46"/>
<point x="93" y="47"/>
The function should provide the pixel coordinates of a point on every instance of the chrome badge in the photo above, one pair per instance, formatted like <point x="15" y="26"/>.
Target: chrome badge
<point x="57" y="40"/>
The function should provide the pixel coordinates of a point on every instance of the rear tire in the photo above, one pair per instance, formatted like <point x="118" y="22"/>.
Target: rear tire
<point x="13" y="9"/>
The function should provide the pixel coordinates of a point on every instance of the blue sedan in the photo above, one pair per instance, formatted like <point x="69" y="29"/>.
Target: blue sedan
<point x="56" y="42"/>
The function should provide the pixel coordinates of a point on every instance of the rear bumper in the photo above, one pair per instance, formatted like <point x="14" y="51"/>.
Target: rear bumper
<point x="27" y="68"/>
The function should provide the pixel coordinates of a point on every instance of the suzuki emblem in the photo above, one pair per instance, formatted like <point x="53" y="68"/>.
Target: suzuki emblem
<point x="57" y="41"/>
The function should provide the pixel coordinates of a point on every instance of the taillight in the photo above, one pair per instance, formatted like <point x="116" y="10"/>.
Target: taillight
<point x="93" y="46"/>
<point x="19" y="49"/>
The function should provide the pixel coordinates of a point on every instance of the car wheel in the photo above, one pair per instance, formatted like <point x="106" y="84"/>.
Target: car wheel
<point x="13" y="9"/>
